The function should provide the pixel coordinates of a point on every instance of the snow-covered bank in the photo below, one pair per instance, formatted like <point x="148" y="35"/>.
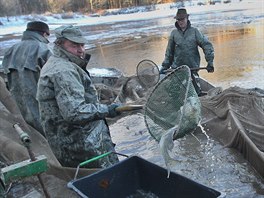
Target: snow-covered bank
<point x="236" y="30"/>
<point x="17" y="24"/>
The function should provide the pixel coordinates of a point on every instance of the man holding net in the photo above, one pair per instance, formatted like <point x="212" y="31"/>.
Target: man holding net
<point x="182" y="48"/>
<point x="72" y="117"/>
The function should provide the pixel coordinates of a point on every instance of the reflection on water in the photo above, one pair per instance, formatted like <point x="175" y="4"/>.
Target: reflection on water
<point x="204" y="160"/>
<point x="228" y="34"/>
<point x="239" y="46"/>
<point x="238" y="55"/>
<point x="238" y="61"/>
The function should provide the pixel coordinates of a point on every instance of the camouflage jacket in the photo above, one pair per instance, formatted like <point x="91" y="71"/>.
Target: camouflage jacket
<point x="182" y="48"/>
<point x="22" y="64"/>
<point x="71" y="115"/>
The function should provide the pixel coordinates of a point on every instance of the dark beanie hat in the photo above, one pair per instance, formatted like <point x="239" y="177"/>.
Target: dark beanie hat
<point x="38" y="26"/>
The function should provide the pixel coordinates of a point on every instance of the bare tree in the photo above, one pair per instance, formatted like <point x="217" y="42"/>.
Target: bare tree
<point x="18" y="7"/>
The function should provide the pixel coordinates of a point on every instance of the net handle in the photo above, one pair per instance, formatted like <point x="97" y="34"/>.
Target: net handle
<point x="156" y="68"/>
<point x="192" y="69"/>
<point x="129" y="108"/>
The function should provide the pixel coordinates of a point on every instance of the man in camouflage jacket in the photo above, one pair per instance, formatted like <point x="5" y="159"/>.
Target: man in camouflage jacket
<point x="72" y="117"/>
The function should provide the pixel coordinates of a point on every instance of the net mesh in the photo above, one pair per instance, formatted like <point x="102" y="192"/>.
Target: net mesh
<point x="173" y="103"/>
<point x="147" y="73"/>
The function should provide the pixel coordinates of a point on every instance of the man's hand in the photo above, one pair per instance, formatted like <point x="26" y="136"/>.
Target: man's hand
<point x="210" y="68"/>
<point x="112" y="110"/>
<point x="162" y="70"/>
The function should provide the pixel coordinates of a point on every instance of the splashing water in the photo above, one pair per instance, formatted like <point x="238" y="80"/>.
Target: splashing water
<point x="203" y="130"/>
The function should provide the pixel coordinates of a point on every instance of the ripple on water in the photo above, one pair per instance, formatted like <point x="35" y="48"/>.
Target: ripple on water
<point x="205" y="161"/>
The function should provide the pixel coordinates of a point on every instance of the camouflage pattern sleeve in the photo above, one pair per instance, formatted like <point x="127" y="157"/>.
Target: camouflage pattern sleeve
<point x="77" y="103"/>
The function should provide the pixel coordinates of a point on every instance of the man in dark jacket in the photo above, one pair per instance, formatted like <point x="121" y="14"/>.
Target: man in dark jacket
<point x="22" y="64"/>
<point x="182" y="48"/>
<point x="72" y="116"/>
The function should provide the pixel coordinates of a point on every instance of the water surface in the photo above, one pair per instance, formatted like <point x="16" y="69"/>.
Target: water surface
<point x="239" y="49"/>
<point x="203" y="160"/>
<point x="238" y="39"/>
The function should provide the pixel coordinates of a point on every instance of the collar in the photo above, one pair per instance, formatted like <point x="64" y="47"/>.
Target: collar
<point x="30" y="35"/>
<point x="60" y="52"/>
<point x="178" y="27"/>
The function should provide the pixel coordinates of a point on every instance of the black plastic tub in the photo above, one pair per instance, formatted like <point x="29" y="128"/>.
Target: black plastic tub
<point x="136" y="177"/>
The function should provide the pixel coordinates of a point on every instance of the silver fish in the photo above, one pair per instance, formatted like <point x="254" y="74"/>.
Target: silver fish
<point x="189" y="118"/>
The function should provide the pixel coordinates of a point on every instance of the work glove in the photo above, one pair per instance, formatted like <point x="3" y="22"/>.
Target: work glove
<point x="210" y="68"/>
<point x="162" y="70"/>
<point x="112" y="110"/>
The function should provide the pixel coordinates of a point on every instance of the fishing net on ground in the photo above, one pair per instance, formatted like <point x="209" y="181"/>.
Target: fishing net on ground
<point x="13" y="152"/>
<point x="173" y="105"/>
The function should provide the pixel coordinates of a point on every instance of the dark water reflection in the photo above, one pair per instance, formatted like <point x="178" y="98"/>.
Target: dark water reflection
<point x="238" y="61"/>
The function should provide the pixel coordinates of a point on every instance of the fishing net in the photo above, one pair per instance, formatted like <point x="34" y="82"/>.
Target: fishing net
<point x="173" y="103"/>
<point x="148" y="73"/>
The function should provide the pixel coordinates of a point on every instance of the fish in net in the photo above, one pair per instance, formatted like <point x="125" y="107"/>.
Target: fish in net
<point x="172" y="110"/>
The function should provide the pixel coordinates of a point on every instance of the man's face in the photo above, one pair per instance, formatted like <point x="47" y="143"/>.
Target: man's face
<point x="182" y="22"/>
<point x="76" y="49"/>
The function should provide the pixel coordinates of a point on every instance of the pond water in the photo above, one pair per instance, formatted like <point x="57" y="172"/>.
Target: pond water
<point x="203" y="160"/>
<point x="239" y="47"/>
<point x="239" y="59"/>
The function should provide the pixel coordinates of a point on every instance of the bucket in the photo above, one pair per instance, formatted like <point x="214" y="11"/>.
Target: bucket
<point x="136" y="177"/>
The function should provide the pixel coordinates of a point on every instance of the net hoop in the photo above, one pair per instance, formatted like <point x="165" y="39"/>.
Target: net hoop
<point x="155" y="116"/>
<point x="148" y="73"/>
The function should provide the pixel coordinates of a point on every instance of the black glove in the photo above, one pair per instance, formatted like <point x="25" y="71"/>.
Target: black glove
<point x="112" y="110"/>
<point x="210" y="68"/>
<point x="162" y="70"/>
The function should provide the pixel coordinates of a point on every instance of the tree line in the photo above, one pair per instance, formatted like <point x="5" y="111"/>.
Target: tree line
<point x="24" y="7"/>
